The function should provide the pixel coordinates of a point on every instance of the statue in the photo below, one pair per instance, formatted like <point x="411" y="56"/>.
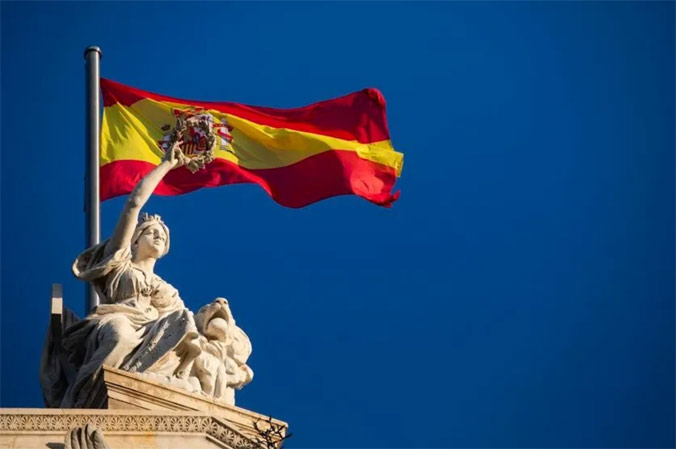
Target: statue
<point x="221" y="366"/>
<point x="142" y="324"/>
<point x="85" y="437"/>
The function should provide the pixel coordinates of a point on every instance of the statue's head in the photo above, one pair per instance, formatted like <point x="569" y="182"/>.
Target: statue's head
<point x="151" y="238"/>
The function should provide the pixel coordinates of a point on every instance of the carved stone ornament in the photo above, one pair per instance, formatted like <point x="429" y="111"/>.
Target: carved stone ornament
<point x="85" y="437"/>
<point x="74" y="425"/>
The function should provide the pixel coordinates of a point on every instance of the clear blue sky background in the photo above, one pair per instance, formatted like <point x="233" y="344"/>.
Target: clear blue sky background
<point x="520" y="293"/>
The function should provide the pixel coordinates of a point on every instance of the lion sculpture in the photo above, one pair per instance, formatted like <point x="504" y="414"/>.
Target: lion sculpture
<point x="221" y="366"/>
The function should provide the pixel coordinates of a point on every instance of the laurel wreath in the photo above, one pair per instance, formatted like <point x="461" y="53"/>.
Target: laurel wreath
<point x="198" y="162"/>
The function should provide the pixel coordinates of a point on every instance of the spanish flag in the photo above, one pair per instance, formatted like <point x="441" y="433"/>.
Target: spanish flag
<point x="299" y="156"/>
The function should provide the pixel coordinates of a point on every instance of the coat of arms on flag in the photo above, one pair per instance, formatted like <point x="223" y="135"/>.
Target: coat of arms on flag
<point x="199" y="133"/>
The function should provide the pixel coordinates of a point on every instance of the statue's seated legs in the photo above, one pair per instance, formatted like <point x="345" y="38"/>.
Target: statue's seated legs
<point x="117" y="339"/>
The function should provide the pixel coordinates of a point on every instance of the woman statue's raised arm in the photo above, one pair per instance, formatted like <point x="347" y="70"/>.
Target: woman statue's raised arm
<point x="124" y="230"/>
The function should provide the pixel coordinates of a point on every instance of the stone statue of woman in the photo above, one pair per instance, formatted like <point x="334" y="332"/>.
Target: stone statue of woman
<point x="142" y="324"/>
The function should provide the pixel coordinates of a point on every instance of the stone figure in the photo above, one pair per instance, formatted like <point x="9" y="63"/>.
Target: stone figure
<point x="85" y="437"/>
<point x="221" y="366"/>
<point x="142" y="324"/>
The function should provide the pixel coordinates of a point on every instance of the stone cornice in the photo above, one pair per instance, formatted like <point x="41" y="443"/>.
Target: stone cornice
<point x="122" y="390"/>
<point x="13" y="421"/>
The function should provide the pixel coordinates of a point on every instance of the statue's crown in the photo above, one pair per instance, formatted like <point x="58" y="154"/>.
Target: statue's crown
<point x="147" y="217"/>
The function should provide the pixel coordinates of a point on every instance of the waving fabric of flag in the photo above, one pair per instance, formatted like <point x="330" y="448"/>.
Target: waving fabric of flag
<point x="299" y="156"/>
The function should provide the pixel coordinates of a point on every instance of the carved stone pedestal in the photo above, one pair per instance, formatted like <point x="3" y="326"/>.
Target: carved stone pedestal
<point x="135" y="412"/>
<point x="121" y="390"/>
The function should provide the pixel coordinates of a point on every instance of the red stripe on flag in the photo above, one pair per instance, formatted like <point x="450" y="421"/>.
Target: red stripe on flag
<point x="357" y="116"/>
<point x="327" y="174"/>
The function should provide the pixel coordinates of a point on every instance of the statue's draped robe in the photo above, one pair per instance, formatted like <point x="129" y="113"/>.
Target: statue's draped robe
<point x="142" y="324"/>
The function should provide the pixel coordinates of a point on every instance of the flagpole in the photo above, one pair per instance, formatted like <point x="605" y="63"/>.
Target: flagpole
<point x="92" y="57"/>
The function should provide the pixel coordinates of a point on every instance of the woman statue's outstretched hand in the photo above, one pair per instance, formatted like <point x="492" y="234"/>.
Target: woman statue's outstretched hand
<point x="126" y="224"/>
<point x="174" y="156"/>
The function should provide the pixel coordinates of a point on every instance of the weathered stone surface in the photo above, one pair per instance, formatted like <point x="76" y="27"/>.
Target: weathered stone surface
<point x="47" y="428"/>
<point x="135" y="411"/>
<point x="122" y="390"/>
<point x="85" y="437"/>
<point x="205" y="354"/>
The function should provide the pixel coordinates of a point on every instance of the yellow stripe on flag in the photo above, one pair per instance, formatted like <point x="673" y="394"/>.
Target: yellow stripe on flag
<point x="132" y="133"/>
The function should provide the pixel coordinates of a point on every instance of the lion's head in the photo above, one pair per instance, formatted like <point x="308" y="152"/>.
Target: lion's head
<point x="215" y="320"/>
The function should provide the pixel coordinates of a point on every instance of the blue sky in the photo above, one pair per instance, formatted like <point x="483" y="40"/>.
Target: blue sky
<point x="521" y="291"/>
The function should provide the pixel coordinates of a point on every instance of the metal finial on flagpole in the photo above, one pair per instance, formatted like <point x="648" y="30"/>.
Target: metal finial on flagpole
<point x="92" y="57"/>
